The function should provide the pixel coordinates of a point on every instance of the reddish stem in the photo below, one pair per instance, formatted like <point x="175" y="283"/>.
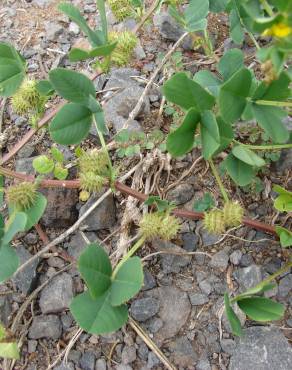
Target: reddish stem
<point x="75" y="184"/>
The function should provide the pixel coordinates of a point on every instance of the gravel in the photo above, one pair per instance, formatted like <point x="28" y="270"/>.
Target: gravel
<point x="144" y="308"/>
<point x="45" y="326"/>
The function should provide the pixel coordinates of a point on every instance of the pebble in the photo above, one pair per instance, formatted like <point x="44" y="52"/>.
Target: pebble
<point x="87" y="361"/>
<point x="181" y="194"/>
<point x="100" y="364"/>
<point x="190" y="241"/>
<point x="235" y="257"/>
<point x="45" y="326"/>
<point x="144" y="308"/>
<point x="220" y="260"/>
<point x="248" y="277"/>
<point x="198" y="299"/>
<point x="128" y="355"/>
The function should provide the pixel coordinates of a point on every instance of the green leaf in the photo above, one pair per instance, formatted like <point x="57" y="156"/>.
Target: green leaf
<point x="95" y="268"/>
<point x="270" y="119"/>
<point x="261" y="309"/>
<point x="277" y="90"/>
<point x="236" y="30"/>
<point x="57" y="154"/>
<point x="233" y="94"/>
<point x="72" y="86"/>
<point x="181" y="140"/>
<point x="77" y="54"/>
<point x="240" y="172"/>
<point x="186" y="93"/>
<point x="230" y="63"/>
<point x="12" y="71"/>
<point x="283" y="203"/>
<point x="100" y="121"/>
<point x="9" y="350"/>
<point x="60" y="172"/>
<point x="285" y="236"/>
<point x="226" y="134"/>
<point x="74" y="14"/>
<point x="205" y="203"/>
<point x="195" y="14"/>
<point x="45" y="88"/>
<point x="209" y="81"/>
<point x="71" y="124"/>
<point x="210" y="134"/>
<point x="8" y="262"/>
<point x="127" y="281"/>
<point x="217" y="6"/>
<point x="232" y="318"/>
<point x="98" y="316"/>
<point x="248" y="156"/>
<point x="35" y="212"/>
<point x="15" y="224"/>
<point x="42" y="164"/>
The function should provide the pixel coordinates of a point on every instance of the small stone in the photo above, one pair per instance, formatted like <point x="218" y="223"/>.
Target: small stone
<point x="248" y="277"/>
<point x="143" y="351"/>
<point x="149" y="281"/>
<point x="246" y="260"/>
<point x="181" y="194"/>
<point x="31" y="239"/>
<point x="74" y="355"/>
<point x="128" y="355"/>
<point x="154" y="325"/>
<point x="53" y="30"/>
<point x="124" y="367"/>
<point x="144" y="308"/>
<point x="205" y="286"/>
<point x="220" y="260"/>
<point x="285" y="286"/>
<point x="183" y="353"/>
<point x="74" y="30"/>
<point x="100" y="364"/>
<point x="208" y="239"/>
<point x="91" y="8"/>
<point x="45" y="326"/>
<point x="78" y="244"/>
<point x="171" y="262"/>
<point x="87" y="361"/>
<point x="68" y="366"/>
<point x="228" y="346"/>
<point x="24" y="165"/>
<point x="203" y="365"/>
<point x="262" y="348"/>
<point x="198" y="299"/>
<point x="57" y="295"/>
<point x="190" y="241"/>
<point x="152" y="361"/>
<point x="235" y="257"/>
<point x="26" y="278"/>
<point x="31" y="346"/>
<point x="104" y="215"/>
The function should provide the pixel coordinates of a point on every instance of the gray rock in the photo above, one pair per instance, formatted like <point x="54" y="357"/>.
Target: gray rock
<point x="220" y="260"/>
<point x="74" y="30"/>
<point x="208" y="239"/>
<point x="122" y="77"/>
<point x="248" y="277"/>
<point x="24" y="165"/>
<point x="183" y="353"/>
<point x="181" y="194"/>
<point x="42" y="3"/>
<point x="87" y="361"/>
<point x="235" y="257"/>
<point x="143" y="351"/>
<point x="203" y="364"/>
<point x="68" y="366"/>
<point x="45" y="326"/>
<point x="89" y="8"/>
<point x="100" y="364"/>
<point x="171" y="262"/>
<point x="190" y="241"/>
<point x="154" y="324"/>
<point x="74" y="355"/>
<point x="170" y="29"/>
<point x="149" y="281"/>
<point x="104" y="215"/>
<point x="228" y="346"/>
<point x="26" y="278"/>
<point x="262" y="348"/>
<point x="77" y="243"/>
<point x="31" y="238"/>
<point x="53" y="30"/>
<point x="144" y="308"/>
<point x="174" y="311"/>
<point x="198" y="299"/>
<point x="285" y="162"/>
<point x="153" y="360"/>
<point x="57" y="295"/>
<point x="246" y="260"/>
<point x="128" y="355"/>
<point x="61" y="207"/>
<point x="124" y="367"/>
<point x="31" y="346"/>
<point x="205" y="286"/>
<point x="285" y="286"/>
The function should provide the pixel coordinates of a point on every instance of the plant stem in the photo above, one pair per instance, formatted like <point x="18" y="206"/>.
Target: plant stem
<point x="209" y="46"/>
<point x="104" y="147"/>
<point x="265" y="147"/>
<point x="264" y="282"/>
<point x="274" y="103"/>
<point x="218" y="179"/>
<point x="267" y="8"/>
<point x="130" y="253"/>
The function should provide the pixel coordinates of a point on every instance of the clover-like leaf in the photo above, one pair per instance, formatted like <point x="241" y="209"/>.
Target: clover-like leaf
<point x="261" y="309"/>
<point x="232" y="318"/>
<point x="8" y="262"/>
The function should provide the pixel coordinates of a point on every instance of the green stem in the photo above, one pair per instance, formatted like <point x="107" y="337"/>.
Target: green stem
<point x="253" y="39"/>
<point x="208" y="43"/>
<point x="263" y="283"/>
<point x="104" y="146"/>
<point x="274" y="103"/>
<point x="267" y="8"/>
<point x="265" y="147"/>
<point x="130" y="253"/>
<point x="218" y="179"/>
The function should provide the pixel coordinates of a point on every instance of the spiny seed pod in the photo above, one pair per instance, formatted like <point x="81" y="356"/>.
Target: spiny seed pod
<point x="169" y="227"/>
<point x="84" y="195"/>
<point x="214" y="222"/>
<point x="121" y="8"/>
<point x="23" y="195"/>
<point x="27" y="98"/>
<point x="91" y="182"/>
<point x="124" y="49"/>
<point x="150" y="225"/>
<point x="233" y="214"/>
<point x="93" y="161"/>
